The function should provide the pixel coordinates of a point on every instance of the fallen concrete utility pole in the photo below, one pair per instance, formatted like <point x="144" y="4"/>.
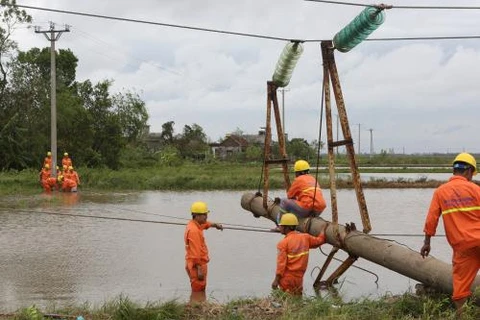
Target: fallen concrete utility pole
<point x="430" y="272"/>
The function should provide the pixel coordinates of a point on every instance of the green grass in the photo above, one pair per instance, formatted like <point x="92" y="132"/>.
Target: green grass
<point x="278" y="306"/>
<point x="209" y="176"/>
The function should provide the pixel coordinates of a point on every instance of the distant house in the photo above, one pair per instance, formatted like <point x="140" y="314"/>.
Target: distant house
<point x="230" y="145"/>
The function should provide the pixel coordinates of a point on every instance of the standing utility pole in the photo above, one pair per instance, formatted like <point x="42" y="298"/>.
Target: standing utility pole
<point x="282" y="90"/>
<point x="53" y="35"/>
<point x="371" y="141"/>
<point x="359" y="125"/>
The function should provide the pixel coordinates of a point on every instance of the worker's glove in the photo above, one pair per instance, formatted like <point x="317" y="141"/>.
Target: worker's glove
<point x="218" y="226"/>
<point x="277" y="200"/>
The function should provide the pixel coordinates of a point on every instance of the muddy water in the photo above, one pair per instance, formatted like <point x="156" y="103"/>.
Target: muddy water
<point x="48" y="258"/>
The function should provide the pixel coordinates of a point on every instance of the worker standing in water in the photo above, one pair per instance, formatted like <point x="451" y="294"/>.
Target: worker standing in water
<point x="458" y="203"/>
<point x="304" y="197"/>
<point x="292" y="255"/>
<point x="66" y="161"/>
<point x="48" y="159"/>
<point x="196" y="257"/>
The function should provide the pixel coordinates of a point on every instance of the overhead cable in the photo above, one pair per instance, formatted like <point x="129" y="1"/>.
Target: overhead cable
<point x="344" y="3"/>
<point x="243" y="34"/>
<point x="92" y="15"/>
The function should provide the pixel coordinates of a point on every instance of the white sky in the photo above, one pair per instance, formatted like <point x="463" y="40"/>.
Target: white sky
<point x="417" y="96"/>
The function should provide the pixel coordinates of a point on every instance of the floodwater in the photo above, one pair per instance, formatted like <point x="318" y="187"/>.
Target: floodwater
<point x="49" y="256"/>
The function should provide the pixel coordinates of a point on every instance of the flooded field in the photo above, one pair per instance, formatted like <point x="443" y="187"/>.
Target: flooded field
<point x="61" y="249"/>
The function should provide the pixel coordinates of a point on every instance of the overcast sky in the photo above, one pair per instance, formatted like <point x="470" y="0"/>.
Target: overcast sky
<point x="416" y="96"/>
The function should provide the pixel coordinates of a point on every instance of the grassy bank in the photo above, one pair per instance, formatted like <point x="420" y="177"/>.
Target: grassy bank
<point x="280" y="307"/>
<point x="210" y="176"/>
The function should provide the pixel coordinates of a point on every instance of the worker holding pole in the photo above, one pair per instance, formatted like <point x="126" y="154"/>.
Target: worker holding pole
<point x="196" y="257"/>
<point x="292" y="256"/>
<point x="458" y="202"/>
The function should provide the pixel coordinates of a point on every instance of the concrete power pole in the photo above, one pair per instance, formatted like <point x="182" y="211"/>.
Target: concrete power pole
<point x="358" y="150"/>
<point x="53" y="35"/>
<point x="371" y="141"/>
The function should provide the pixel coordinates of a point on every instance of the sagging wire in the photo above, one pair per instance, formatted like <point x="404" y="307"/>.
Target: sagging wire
<point x="137" y="220"/>
<point x="338" y="260"/>
<point x="184" y="219"/>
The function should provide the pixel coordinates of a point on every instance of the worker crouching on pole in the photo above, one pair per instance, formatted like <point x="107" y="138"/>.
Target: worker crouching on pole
<point x="292" y="255"/>
<point x="304" y="197"/>
<point x="196" y="257"/>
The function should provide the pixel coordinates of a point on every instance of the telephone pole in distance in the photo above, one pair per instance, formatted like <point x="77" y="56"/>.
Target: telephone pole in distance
<point x="53" y="35"/>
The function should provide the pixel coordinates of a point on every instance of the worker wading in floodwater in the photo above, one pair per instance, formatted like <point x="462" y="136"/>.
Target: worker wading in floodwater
<point x="196" y="257"/>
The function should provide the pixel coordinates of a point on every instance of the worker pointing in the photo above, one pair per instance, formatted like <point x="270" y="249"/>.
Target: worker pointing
<point x="196" y="257"/>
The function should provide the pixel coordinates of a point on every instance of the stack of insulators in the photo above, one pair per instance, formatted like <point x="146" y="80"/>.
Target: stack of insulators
<point x="286" y="63"/>
<point x="359" y="29"/>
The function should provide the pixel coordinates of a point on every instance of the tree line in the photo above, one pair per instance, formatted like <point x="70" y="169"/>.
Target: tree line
<point x="97" y="127"/>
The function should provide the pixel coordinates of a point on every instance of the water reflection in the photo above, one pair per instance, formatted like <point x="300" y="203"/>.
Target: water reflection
<point x="64" y="259"/>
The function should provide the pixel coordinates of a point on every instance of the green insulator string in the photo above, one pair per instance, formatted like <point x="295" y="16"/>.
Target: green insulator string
<point x="286" y="63"/>
<point x="359" y="29"/>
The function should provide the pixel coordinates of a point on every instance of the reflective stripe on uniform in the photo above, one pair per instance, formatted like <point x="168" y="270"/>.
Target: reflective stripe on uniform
<point x="460" y="210"/>
<point x="304" y="253"/>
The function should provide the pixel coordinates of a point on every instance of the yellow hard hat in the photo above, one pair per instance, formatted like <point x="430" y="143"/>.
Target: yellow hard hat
<point x="301" y="165"/>
<point x="49" y="153"/>
<point x="70" y="168"/>
<point x="65" y="154"/>
<point x="468" y="159"/>
<point x="47" y="166"/>
<point x="288" y="219"/>
<point x="60" y="178"/>
<point x="65" y="167"/>
<point x="199" y="207"/>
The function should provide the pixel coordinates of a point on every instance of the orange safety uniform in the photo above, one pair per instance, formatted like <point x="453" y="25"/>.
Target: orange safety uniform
<point x="69" y="185"/>
<point x="66" y="161"/>
<point x="50" y="183"/>
<point x="75" y="176"/>
<point x="44" y="174"/>
<point x="458" y="202"/>
<point x="304" y="190"/>
<point x="47" y="160"/>
<point x="196" y="253"/>
<point x="292" y="259"/>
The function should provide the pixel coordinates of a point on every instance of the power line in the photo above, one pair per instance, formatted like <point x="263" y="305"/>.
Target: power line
<point x="92" y="15"/>
<point x="252" y="35"/>
<point x="398" y="7"/>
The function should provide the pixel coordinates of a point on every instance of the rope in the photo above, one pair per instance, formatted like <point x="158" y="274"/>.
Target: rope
<point x="138" y="220"/>
<point x="184" y="219"/>
<point x="319" y="142"/>
<point x="338" y="260"/>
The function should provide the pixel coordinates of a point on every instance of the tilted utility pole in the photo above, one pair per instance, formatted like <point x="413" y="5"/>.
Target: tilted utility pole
<point x="53" y="35"/>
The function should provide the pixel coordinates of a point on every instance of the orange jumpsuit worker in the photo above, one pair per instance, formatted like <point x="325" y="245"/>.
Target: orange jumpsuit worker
<point x="305" y="197"/>
<point x="66" y="161"/>
<point x="458" y="202"/>
<point x="74" y="175"/>
<point x="44" y="174"/>
<point x="49" y="184"/>
<point x="292" y="256"/>
<point x="196" y="257"/>
<point x="48" y="159"/>
<point x="68" y="185"/>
